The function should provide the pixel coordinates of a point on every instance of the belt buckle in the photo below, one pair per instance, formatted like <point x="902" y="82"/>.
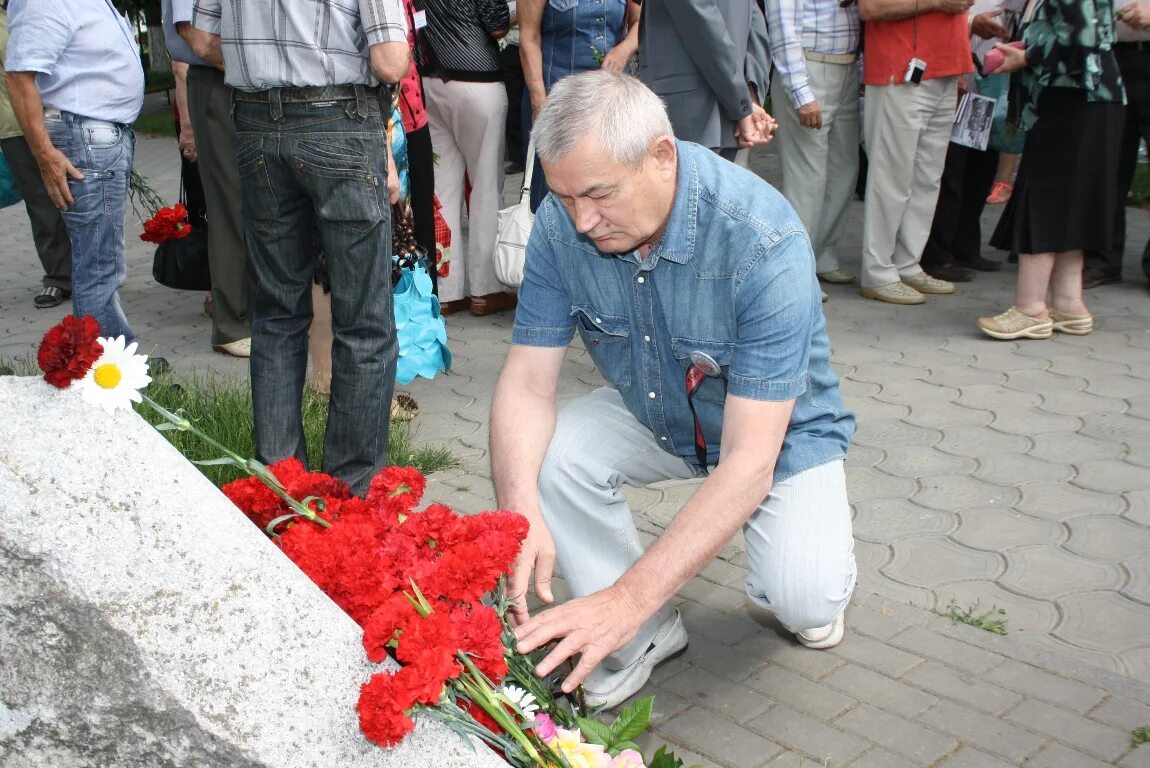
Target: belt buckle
<point x="52" y="113"/>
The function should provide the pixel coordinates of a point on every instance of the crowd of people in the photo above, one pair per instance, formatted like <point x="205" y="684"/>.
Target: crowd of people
<point x="693" y="284"/>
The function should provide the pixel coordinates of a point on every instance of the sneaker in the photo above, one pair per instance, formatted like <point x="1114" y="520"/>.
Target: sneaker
<point x="924" y="283"/>
<point x="893" y="293"/>
<point x="825" y="296"/>
<point x="820" y="638"/>
<point x="1012" y="324"/>
<point x="1075" y="325"/>
<point x="606" y="688"/>
<point x="238" y="348"/>
<point x="837" y="277"/>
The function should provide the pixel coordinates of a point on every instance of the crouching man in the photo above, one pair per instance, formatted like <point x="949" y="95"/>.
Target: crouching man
<point x="692" y="285"/>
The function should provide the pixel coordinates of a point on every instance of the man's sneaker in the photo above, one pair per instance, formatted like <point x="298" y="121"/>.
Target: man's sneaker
<point x="609" y="688"/>
<point x="824" y="637"/>
<point x="924" y="283"/>
<point x="893" y="293"/>
<point x="238" y="348"/>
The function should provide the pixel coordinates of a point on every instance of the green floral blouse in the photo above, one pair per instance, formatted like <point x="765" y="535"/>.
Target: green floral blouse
<point x="1070" y="44"/>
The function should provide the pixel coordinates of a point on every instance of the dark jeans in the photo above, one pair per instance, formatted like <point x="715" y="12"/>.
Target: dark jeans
<point x="48" y="230"/>
<point x="956" y="232"/>
<point x="513" y="81"/>
<point x="1134" y="62"/>
<point x="319" y="155"/>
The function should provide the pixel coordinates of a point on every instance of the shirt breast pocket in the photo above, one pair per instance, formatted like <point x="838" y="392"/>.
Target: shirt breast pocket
<point x="687" y="352"/>
<point x="608" y="341"/>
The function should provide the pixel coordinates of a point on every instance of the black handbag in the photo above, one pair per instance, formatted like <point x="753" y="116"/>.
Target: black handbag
<point x="183" y="264"/>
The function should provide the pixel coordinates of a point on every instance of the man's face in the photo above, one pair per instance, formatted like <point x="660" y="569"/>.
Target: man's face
<point x="618" y="207"/>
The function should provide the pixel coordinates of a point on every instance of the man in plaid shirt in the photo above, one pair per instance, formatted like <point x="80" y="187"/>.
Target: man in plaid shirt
<point x="312" y="156"/>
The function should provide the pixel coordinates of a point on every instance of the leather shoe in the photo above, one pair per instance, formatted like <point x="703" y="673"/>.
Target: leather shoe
<point x="451" y="307"/>
<point x="493" y="302"/>
<point x="980" y="263"/>
<point x="952" y="273"/>
<point x="1092" y="277"/>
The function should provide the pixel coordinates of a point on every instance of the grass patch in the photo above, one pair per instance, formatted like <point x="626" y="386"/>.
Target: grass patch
<point x="222" y="408"/>
<point x="984" y="621"/>
<point x="157" y="124"/>
<point x="1140" y="736"/>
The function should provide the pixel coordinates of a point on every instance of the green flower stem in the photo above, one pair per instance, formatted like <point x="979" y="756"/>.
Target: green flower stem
<point x="481" y="690"/>
<point x="253" y="468"/>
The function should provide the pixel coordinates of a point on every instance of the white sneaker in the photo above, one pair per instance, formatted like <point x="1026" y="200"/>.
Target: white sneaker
<point x="238" y="348"/>
<point x="820" y="638"/>
<point x="609" y="688"/>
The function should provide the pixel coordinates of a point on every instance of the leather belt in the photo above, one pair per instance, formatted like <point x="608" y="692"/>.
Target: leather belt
<point x="831" y="58"/>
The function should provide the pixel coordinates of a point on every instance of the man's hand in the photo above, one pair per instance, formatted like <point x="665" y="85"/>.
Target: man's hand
<point x="756" y="128"/>
<point x="537" y="554"/>
<point x="591" y="626"/>
<point x="187" y="140"/>
<point x="1136" y="15"/>
<point x="984" y="25"/>
<point x="811" y="115"/>
<point x="56" y="169"/>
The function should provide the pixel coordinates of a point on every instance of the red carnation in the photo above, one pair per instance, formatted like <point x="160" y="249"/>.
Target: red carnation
<point x="69" y="350"/>
<point x="169" y="223"/>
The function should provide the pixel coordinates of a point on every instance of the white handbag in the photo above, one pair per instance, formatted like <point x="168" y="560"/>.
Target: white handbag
<point x="515" y="225"/>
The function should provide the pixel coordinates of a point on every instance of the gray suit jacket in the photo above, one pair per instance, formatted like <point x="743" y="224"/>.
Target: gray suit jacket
<point x="699" y="56"/>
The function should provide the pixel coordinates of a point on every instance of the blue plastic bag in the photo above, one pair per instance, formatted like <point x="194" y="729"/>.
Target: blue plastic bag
<point x="420" y="329"/>
<point x="9" y="192"/>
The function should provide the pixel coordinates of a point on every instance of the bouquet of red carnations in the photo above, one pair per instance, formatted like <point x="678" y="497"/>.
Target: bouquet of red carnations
<point x="169" y="223"/>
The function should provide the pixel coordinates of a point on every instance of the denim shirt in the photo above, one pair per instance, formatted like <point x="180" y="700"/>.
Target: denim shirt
<point x="733" y="277"/>
<point x="577" y="34"/>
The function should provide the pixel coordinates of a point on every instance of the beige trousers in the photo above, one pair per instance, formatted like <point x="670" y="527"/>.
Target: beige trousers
<point x="907" y="130"/>
<point x="467" y="133"/>
<point x="820" y="166"/>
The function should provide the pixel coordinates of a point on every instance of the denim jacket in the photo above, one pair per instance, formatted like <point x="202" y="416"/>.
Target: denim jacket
<point x="732" y="277"/>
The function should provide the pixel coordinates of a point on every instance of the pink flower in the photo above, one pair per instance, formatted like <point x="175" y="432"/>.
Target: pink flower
<point x="545" y="727"/>
<point x="628" y="758"/>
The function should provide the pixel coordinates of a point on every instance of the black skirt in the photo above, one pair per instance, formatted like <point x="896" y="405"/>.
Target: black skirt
<point x="1066" y="193"/>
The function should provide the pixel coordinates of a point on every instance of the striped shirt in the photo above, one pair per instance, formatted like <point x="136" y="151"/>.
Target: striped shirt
<point x="794" y="26"/>
<point x="458" y="42"/>
<point x="282" y="43"/>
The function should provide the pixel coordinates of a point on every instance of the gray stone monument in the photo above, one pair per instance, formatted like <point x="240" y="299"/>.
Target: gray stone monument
<point x="145" y="622"/>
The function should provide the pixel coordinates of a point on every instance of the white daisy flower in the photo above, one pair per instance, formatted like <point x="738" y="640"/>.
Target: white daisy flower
<point x="115" y="379"/>
<point x="522" y="700"/>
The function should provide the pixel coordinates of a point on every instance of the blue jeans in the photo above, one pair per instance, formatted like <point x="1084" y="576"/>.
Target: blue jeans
<point x="315" y="160"/>
<point x="102" y="151"/>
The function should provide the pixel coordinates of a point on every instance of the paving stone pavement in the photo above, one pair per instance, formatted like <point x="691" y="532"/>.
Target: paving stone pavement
<point x="1011" y="475"/>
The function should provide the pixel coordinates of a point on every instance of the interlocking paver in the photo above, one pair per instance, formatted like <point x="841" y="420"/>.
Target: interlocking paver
<point x="887" y="433"/>
<point x="870" y="483"/>
<point x="1105" y="536"/>
<point x="812" y="737"/>
<point x="940" y="414"/>
<point x="968" y="757"/>
<point x="897" y="734"/>
<point x="724" y="740"/>
<point x="880" y="758"/>
<point x="797" y="691"/>
<point x="1072" y="448"/>
<point x="1087" y="735"/>
<point x="956" y="653"/>
<point x="1043" y="382"/>
<point x="1045" y="572"/>
<point x="984" y="731"/>
<point x="1060" y="501"/>
<point x="917" y="460"/>
<point x="929" y="562"/>
<point x="736" y="702"/>
<point x="1017" y="468"/>
<point x="976" y="442"/>
<point x="881" y="690"/>
<point x="1061" y="756"/>
<point x="885" y="519"/>
<point x="1029" y="421"/>
<point x="965" y="687"/>
<point x="1023" y="614"/>
<point x="963" y="374"/>
<point x="878" y="656"/>
<point x="997" y="530"/>
<point x="1103" y="621"/>
<point x="949" y="492"/>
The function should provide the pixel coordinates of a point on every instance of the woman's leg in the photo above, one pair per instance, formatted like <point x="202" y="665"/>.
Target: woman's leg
<point x="1034" y="271"/>
<point x="1066" y="283"/>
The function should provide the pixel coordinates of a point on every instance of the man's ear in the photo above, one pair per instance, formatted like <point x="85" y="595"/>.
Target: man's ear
<point x="665" y="153"/>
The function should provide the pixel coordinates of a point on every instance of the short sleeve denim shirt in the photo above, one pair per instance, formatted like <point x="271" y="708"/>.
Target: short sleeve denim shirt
<point x="732" y="277"/>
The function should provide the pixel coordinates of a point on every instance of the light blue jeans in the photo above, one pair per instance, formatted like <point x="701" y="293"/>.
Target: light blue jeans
<point x="102" y="151"/>
<point x="800" y="548"/>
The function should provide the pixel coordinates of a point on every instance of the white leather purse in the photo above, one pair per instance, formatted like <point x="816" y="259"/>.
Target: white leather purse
<point x="515" y="225"/>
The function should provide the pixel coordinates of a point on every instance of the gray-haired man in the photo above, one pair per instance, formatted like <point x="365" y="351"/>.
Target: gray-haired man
<point x="690" y="282"/>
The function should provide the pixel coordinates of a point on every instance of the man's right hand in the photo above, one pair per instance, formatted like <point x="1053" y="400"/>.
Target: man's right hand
<point x="537" y="554"/>
<point x="56" y="169"/>
<point x="811" y="115"/>
<point x="187" y="143"/>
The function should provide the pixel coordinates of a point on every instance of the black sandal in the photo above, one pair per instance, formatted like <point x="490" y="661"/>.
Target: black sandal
<point x="51" y="296"/>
